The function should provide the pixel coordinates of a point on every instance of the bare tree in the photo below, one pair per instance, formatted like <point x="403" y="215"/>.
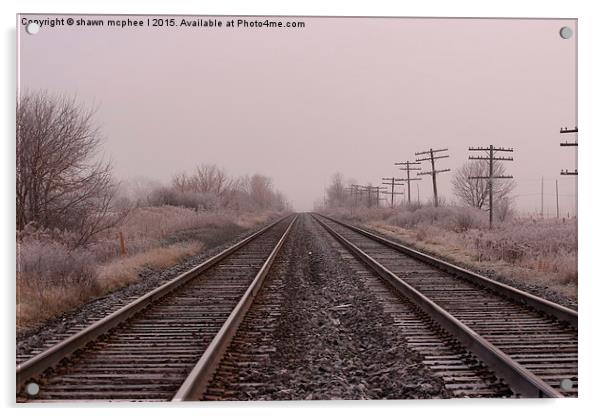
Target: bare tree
<point x="209" y="179"/>
<point x="61" y="183"/>
<point x="260" y="190"/>
<point x="210" y="188"/>
<point x="181" y="182"/>
<point x="335" y="192"/>
<point x="475" y="192"/>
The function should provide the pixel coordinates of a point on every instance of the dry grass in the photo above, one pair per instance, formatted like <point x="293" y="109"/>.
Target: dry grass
<point x="35" y="305"/>
<point x="52" y="278"/>
<point x="41" y="295"/>
<point x="253" y="219"/>
<point x="548" y="265"/>
<point x="537" y="251"/>
<point x="123" y="271"/>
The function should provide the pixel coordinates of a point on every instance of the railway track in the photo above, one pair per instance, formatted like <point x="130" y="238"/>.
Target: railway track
<point x="182" y="340"/>
<point x="164" y="345"/>
<point x="248" y="371"/>
<point x="528" y="343"/>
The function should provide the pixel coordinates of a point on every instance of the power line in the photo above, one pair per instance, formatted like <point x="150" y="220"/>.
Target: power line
<point x="569" y="144"/>
<point x="392" y="182"/>
<point x="354" y="191"/>
<point x="491" y="158"/>
<point x="431" y="156"/>
<point x="409" y="180"/>
<point x="369" y="189"/>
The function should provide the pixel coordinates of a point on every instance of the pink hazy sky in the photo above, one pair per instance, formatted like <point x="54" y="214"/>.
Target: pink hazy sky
<point x="349" y="95"/>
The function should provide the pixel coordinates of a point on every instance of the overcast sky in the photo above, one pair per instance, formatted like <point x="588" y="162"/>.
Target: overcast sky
<point x="348" y="95"/>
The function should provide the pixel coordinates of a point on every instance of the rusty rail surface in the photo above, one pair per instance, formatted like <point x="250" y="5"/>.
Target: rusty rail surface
<point x="197" y="381"/>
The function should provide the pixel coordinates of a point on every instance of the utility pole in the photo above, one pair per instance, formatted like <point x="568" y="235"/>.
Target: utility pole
<point x="353" y="192"/>
<point x="368" y="189"/>
<point x="392" y="182"/>
<point x="372" y="189"/>
<point x="569" y="144"/>
<point x="431" y="156"/>
<point x="378" y="189"/>
<point x="490" y="158"/>
<point x="557" y="205"/>
<point x="418" y="190"/>
<point x="541" y="210"/>
<point x="407" y="168"/>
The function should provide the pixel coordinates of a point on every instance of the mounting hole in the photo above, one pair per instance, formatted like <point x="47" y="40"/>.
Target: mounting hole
<point x="566" y="32"/>
<point x="566" y="384"/>
<point x="32" y="389"/>
<point x="32" y="28"/>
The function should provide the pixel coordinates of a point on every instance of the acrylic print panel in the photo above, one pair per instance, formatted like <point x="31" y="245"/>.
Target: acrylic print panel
<point x="295" y="208"/>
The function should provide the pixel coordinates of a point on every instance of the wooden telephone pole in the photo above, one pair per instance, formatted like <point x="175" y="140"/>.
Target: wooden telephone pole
<point x="557" y="205"/>
<point x="372" y="189"/>
<point x="378" y="192"/>
<point x="569" y="144"/>
<point x="490" y="158"/>
<point x="368" y="191"/>
<point x="392" y="181"/>
<point x="407" y="167"/>
<point x="431" y="156"/>
<point x="354" y="191"/>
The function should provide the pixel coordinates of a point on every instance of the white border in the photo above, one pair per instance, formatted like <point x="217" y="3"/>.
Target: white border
<point x="590" y="35"/>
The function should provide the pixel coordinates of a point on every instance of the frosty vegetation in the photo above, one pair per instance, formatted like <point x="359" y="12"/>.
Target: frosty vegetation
<point x="71" y="211"/>
<point x="537" y="250"/>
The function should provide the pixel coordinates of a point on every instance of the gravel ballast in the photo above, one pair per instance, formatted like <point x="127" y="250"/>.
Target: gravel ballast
<point x="331" y="338"/>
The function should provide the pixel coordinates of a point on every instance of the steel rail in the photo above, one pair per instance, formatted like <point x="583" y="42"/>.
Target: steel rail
<point x="521" y="380"/>
<point x="557" y="311"/>
<point x="200" y="376"/>
<point x="50" y="357"/>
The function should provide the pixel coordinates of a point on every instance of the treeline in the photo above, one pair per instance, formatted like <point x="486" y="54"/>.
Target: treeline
<point x="63" y="185"/>
<point x="343" y="193"/>
<point x="209" y="188"/>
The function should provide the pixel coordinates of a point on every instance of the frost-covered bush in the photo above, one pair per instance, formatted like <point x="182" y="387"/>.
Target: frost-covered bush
<point x="450" y="218"/>
<point x="160" y="222"/>
<point x="47" y="263"/>
<point x="360" y="214"/>
<point x="544" y="245"/>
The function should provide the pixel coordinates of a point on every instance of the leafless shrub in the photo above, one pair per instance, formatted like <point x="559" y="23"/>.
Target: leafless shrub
<point x="504" y="210"/>
<point x="412" y="206"/>
<point x="52" y="278"/>
<point x="546" y="246"/>
<point x="47" y="263"/>
<point x="464" y="220"/>
<point x="446" y="217"/>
